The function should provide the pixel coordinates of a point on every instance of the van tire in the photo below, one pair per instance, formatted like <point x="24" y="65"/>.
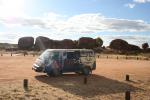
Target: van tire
<point x="49" y="74"/>
<point x="56" y="72"/>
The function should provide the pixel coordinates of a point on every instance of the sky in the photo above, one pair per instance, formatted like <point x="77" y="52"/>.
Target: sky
<point x="72" y="19"/>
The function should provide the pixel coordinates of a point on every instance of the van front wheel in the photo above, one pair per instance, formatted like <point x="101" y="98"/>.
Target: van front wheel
<point x="56" y="72"/>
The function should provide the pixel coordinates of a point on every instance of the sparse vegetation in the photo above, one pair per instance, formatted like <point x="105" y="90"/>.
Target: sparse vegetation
<point x="145" y="46"/>
<point x="99" y="42"/>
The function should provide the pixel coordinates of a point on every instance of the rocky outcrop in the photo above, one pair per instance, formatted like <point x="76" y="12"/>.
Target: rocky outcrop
<point x="56" y="44"/>
<point x="63" y="44"/>
<point x="132" y="47"/>
<point x="67" y="44"/>
<point x="119" y="44"/>
<point x="43" y="43"/>
<point x="123" y="46"/>
<point x="87" y="43"/>
<point x="26" y="43"/>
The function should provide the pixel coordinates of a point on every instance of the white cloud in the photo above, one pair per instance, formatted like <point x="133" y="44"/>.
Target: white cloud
<point x="141" y="1"/>
<point x="83" y="23"/>
<point x="135" y="2"/>
<point x="130" y="5"/>
<point x="11" y="8"/>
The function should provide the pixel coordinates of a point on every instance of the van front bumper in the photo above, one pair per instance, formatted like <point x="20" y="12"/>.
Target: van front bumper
<point x="37" y="68"/>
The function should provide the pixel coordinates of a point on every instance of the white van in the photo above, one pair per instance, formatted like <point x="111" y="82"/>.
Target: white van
<point x="57" y="61"/>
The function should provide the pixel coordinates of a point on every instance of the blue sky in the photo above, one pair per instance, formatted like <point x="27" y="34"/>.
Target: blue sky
<point x="59" y="19"/>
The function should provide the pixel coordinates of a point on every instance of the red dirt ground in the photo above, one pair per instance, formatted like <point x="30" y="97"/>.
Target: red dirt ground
<point x="106" y="83"/>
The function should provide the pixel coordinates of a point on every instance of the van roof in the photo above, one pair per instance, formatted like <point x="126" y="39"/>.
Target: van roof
<point x="69" y="50"/>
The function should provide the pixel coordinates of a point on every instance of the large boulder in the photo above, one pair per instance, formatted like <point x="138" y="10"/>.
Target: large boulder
<point x="63" y="44"/>
<point x="132" y="47"/>
<point x="25" y="43"/>
<point x="56" y="44"/>
<point x="67" y="44"/>
<point x="43" y="43"/>
<point x="119" y="44"/>
<point x="123" y="47"/>
<point x="87" y="43"/>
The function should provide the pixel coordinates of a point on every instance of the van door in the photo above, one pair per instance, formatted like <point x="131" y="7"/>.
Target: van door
<point x="71" y="63"/>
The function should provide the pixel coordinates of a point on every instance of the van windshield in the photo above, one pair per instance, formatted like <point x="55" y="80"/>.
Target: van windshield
<point x="49" y="55"/>
<point x="45" y="55"/>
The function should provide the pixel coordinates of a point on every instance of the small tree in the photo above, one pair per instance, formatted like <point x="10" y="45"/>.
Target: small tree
<point x="145" y="46"/>
<point x="99" y="42"/>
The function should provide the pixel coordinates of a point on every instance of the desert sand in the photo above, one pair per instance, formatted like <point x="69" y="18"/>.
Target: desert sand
<point x="107" y="82"/>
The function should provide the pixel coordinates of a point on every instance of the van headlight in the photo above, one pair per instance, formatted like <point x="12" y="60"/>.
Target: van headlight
<point x="35" y="65"/>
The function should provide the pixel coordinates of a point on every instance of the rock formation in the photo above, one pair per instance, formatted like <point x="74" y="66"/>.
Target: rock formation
<point x="26" y="43"/>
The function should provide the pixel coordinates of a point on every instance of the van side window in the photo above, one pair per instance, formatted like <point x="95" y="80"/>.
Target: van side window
<point x="64" y="54"/>
<point x="55" y="55"/>
<point x="77" y="55"/>
<point x="70" y="55"/>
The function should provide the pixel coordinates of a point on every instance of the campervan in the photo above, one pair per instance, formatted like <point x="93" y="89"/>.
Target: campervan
<point x="57" y="61"/>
